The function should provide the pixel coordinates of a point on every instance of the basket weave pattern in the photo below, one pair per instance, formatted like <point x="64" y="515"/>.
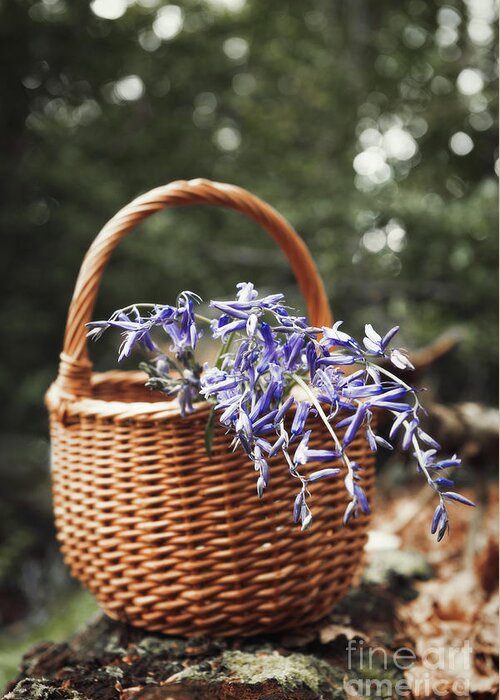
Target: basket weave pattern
<point x="164" y="536"/>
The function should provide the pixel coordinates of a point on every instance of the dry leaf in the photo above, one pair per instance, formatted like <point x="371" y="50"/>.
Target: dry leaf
<point x="487" y="566"/>
<point x="331" y="632"/>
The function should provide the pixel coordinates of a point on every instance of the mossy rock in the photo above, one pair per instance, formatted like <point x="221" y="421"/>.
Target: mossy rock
<point x="42" y="689"/>
<point x="264" y="675"/>
<point x="385" y="568"/>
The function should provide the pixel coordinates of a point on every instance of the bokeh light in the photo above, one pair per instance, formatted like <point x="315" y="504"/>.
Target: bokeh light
<point x="461" y="143"/>
<point x="109" y="9"/>
<point x="168" y="22"/>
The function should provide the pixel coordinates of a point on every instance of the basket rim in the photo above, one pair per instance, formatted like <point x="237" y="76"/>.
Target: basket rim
<point x="74" y="406"/>
<point x="62" y="404"/>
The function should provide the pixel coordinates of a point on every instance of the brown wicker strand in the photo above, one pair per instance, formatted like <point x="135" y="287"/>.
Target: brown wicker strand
<point x="166" y="537"/>
<point x="180" y="193"/>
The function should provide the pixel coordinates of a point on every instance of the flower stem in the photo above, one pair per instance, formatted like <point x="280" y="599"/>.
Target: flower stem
<point x="324" y="418"/>
<point x="224" y="350"/>
<point x="147" y="305"/>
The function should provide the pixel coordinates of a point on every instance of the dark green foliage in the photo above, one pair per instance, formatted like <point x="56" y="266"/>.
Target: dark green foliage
<point x="316" y="75"/>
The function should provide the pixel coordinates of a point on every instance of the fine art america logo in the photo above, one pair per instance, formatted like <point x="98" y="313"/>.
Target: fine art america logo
<point x="436" y="672"/>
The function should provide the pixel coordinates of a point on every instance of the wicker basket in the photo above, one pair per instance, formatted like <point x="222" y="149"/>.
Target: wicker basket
<point x="165" y="537"/>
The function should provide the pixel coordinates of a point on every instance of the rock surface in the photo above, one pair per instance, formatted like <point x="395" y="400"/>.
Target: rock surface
<point x="111" y="661"/>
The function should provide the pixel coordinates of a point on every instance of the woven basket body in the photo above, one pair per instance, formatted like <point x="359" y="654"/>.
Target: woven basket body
<point x="164" y="536"/>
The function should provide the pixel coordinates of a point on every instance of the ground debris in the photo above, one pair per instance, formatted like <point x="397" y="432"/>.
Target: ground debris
<point x="443" y="614"/>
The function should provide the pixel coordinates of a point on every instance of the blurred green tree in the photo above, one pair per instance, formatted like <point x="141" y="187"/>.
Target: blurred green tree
<point x="369" y="125"/>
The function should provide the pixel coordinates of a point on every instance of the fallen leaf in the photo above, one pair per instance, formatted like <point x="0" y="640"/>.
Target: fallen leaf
<point x="329" y="633"/>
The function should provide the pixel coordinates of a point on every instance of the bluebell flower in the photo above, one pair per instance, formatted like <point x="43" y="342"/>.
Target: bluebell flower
<point x="283" y="409"/>
<point x="292" y="351"/>
<point x="326" y="384"/>
<point x="350" y="511"/>
<point x="322" y="474"/>
<point x="400" y="360"/>
<point x="217" y="381"/>
<point x="186" y="395"/>
<point x="311" y="358"/>
<point x="252" y="323"/>
<point x="447" y="463"/>
<point x="262" y="467"/>
<point x="134" y="331"/>
<point x="355" y="423"/>
<point x="224" y="326"/>
<point x="339" y="359"/>
<point x="280" y="444"/>
<point x="266" y="350"/>
<point x="410" y="430"/>
<point x="453" y="496"/>
<point x="439" y="523"/>
<point x="375" y="343"/>
<point x="243" y="356"/>
<point x="398" y="422"/>
<point x="300" y="417"/>
<point x="264" y="401"/>
<point x="297" y="506"/>
<point x="270" y="350"/>
<point x="229" y="408"/>
<point x="314" y="455"/>
<point x="363" y="391"/>
<point x="428" y="439"/>
<point x="301" y="456"/>
<point x="265" y="424"/>
<point x="444" y="482"/>
<point x="337" y="338"/>
<point x="248" y="303"/>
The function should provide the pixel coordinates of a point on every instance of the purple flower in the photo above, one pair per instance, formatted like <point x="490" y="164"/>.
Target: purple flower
<point x="264" y="401"/>
<point x="224" y="326"/>
<point x="299" y="420"/>
<point x="283" y="409"/>
<point x="247" y="291"/>
<point x="326" y="383"/>
<point x="355" y="424"/>
<point x="301" y="456"/>
<point x="442" y="481"/>
<point x="134" y="331"/>
<point x="400" y="360"/>
<point x="446" y="463"/>
<point x="349" y="512"/>
<point x="334" y="337"/>
<point x="397" y="423"/>
<point x="361" y="498"/>
<point x="281" y="443"/>
<point x="410" y="431"/>
<point x="292" y="350"/>
<point x="298" y="505"/>
<point x="452" y="496"/>
<point x="375" y="343"/>
<point x="428" y="439"/>
<point x="322" y="474"/>
<point x="266" y="351"/>
<point x="217" y="381"/>
<point x="265" y="424"/>
<point x="311" y="358"/>
<point x="440" y="521"/>
<point x="322" y="455"/>
<point x="248" y="303"/>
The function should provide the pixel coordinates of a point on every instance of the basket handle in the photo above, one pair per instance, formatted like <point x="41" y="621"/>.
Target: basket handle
<point x="75" y="367"/>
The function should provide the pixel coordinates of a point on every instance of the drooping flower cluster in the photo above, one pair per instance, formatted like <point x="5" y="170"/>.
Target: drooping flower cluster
<point x="265" y="353"/>
<point x="177" y="374"/>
